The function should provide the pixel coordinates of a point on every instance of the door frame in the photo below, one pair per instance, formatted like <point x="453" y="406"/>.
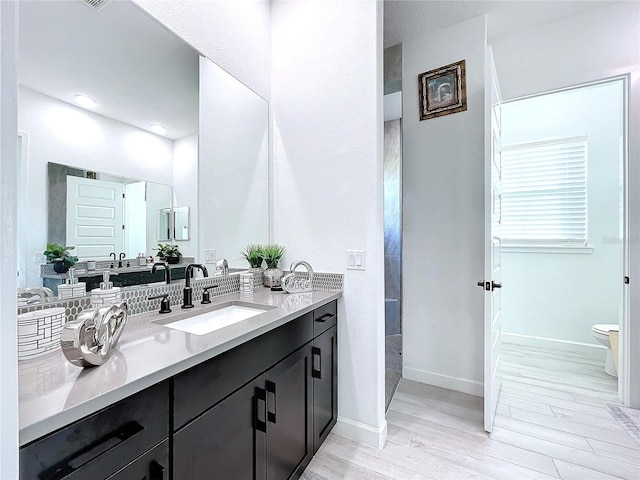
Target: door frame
<point x="630" y="321"/>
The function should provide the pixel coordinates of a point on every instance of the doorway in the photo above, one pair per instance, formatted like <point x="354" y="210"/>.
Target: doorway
<point x="562" y="231"/>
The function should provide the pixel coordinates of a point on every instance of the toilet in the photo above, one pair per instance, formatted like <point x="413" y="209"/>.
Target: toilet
<point x="601" y="334"/>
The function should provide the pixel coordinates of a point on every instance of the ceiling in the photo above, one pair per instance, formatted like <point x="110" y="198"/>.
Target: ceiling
<point x="137" y="70"/>
<point x="408" y="19"/>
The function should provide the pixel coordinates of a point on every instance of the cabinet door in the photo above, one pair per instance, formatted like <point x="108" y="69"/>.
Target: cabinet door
<point x="289" y="420"/>
<point x="325" y="385"/>
<point x="226" y="442"/>
<point x="153" y="465"/>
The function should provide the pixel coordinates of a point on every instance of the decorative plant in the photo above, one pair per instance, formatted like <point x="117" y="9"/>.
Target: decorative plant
<point x="56" y="253"/>
<point x="253" y="254"/>
<point x="272" y="255"/>
<point x="166" y="250"/>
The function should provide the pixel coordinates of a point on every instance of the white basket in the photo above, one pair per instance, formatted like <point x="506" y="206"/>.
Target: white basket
<point x="39" y="332"/>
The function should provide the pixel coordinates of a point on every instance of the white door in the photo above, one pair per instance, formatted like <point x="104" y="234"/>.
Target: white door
<point x="94" y="217"/>
<point x="493" y="207"/>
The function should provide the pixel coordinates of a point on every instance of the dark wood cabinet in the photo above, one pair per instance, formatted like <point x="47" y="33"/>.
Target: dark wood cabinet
<point x="103" y="443"/>
<point x="258" y="411"/>
<point x="325" y="385"/>
<point x="289" y="392"/>
<point x="262" y="431"/>
<point x="226" y="442"/>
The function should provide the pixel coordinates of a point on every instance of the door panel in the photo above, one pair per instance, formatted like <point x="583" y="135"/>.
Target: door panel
<point x="94" y="217"/>
<point x="325" y="385"/>
<point x="493" y="242"/>
<point x="289" y="415"/>
<point x="222" y="443"/>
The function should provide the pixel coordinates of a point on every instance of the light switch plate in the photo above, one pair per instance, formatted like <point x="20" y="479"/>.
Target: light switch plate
<point x="210" y="255"/>
<point x="356" y="260"/>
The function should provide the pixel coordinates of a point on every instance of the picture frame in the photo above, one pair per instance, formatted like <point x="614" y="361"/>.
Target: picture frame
<point x="443" y="91"/>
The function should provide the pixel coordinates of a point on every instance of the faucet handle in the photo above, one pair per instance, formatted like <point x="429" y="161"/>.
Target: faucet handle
<point x="165" y="304"/>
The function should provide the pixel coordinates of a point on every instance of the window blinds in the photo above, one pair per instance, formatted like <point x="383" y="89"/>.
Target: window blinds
<point x="544" y="193"/>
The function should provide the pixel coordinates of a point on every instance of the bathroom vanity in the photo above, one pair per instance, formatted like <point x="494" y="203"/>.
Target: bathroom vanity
<point x="252" y="400"/>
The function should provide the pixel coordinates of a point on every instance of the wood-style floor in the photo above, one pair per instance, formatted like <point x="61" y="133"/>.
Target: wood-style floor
<point x="551" y="423"/>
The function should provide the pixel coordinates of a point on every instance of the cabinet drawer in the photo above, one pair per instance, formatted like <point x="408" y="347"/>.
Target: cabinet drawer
<point x="204" y="385"/>
<point x="103" y="442"/>
<point x="325" y="317"/>
<point x="152" y="465"/>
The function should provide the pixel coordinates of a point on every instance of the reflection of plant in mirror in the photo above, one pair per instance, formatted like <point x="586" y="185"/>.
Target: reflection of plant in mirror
<point x="253" y="254"/>
<point x="272" y="255"/>
<point x="168" y="252"/>
<point x="56" y="253"/>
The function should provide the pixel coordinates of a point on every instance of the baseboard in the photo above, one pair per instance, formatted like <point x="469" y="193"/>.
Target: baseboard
<point x="552" y="343"/>
<point x="463" y="385"/>
<point x="361" y="432"/>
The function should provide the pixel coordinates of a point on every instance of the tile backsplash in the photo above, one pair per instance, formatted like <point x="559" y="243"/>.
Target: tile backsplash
<point x="137" y="297"/>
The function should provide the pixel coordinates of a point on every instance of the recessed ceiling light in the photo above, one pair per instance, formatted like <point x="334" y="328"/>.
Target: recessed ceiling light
<point x="86" y="102"/>
<point x="157" y="128"/>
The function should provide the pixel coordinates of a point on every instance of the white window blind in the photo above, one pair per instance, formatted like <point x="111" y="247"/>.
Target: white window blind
<point x="544" y="193"/>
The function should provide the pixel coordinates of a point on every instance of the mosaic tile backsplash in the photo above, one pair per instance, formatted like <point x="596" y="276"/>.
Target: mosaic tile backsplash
<point x="137" y="297"/>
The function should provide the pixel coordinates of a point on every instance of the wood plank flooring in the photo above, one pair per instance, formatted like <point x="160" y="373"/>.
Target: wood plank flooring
<point x="551" y="423"/>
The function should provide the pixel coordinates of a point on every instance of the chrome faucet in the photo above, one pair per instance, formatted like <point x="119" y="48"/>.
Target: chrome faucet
<point x="187" y="297"/>
<point x="167" y="271"/>
<point x="223" y="265"/>
<point x="120" y="257"/>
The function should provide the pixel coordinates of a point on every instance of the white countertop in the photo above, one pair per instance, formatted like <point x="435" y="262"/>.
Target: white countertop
<point x="54" y="393"/>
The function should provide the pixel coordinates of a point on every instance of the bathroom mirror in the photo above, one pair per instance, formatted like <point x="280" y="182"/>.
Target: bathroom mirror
<point x="181" y="223"/>
<point x="138" y="73"/>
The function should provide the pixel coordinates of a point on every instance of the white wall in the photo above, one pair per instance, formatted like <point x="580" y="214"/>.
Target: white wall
<point x="327" y="122"/>
<point x="560" y="296"/>
<point x="8" y="227"/>
<point x="443" y="217"/>
<point x="185" y="188"/>
<point x="233" y="33"/>
<point x="61" y="133"/>
<point x="596" y="45"/>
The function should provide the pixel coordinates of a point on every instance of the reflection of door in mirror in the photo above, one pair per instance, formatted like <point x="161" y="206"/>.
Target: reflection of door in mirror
<point x="95" y="212"/>
<point x="181" y="223"/>
<point x="164" y="225"/>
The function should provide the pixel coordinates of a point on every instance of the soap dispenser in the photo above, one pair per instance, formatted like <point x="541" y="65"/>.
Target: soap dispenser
<point x="107" y="293"/>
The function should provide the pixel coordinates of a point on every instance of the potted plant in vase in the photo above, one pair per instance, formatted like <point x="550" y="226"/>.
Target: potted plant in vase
<point x="60" y="257"/>
<point x="169" y="253"/>
<point x="272" y="275"/>
<point x="253" y="254"/>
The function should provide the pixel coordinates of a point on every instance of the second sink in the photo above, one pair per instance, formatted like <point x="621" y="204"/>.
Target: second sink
<point x="221" y="316"/>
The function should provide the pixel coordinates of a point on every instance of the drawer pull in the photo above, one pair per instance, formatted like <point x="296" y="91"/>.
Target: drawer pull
<point x="271" y="388"/>
<point x="316" y="372"/>
<point x="324" y="318"/>
<point x="156" y="471"/>
<point x="260" y="396"/>
<point x="83" y="457"/>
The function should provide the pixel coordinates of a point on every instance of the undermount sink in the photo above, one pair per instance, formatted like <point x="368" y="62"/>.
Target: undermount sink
<point x="224" y="315"/>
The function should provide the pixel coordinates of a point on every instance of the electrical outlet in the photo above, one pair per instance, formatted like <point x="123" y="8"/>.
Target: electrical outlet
<point x="210" y="255"/>
<point x="38" y="257"/>
<point x="356" y="260"/>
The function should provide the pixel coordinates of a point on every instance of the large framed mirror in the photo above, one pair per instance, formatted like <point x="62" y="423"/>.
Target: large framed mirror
<point x="113" y="91"/>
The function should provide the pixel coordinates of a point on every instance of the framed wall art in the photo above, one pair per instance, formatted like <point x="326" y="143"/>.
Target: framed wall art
<point x="443" y="91"/>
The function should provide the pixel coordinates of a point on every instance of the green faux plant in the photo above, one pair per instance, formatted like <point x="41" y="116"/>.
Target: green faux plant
<point x="166" y="250"/>
<point x="253" y="254"/>
<point x="56" y="253"/>
<point x="272" y="254"/>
